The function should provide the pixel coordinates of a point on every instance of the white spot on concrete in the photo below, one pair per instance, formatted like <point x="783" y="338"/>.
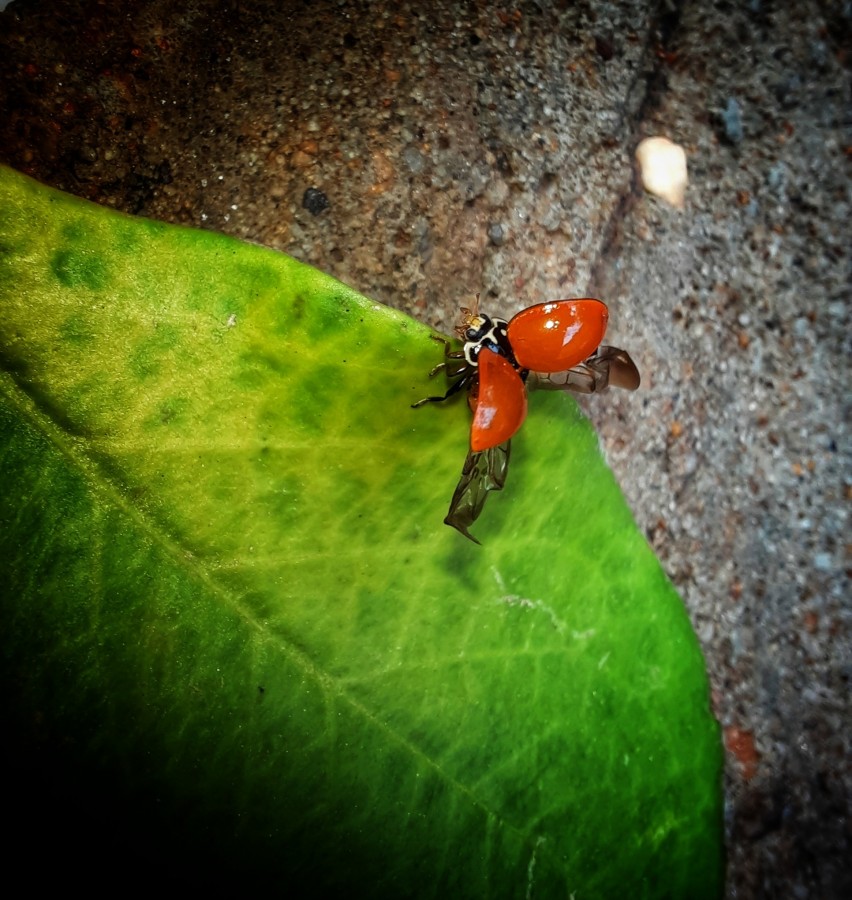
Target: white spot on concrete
<point x="662" y="165"/>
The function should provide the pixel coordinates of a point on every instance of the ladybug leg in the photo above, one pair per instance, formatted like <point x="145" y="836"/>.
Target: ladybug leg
<point x="454" y="389"/>
<point x="456" y="366"/>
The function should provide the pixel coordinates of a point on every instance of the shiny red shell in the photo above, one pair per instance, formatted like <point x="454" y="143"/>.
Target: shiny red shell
<point x="501" y="402"/>
<point x="554" y="337"/>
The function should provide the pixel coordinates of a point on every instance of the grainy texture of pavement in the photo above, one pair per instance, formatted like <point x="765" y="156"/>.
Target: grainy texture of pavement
<point x="423" y="152"/>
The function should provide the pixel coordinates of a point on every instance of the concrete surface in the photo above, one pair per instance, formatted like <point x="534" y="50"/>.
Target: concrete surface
<point x="422" y="152"/>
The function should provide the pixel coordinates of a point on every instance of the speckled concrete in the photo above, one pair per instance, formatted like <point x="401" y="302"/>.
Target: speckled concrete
<point x="423" y="153"/>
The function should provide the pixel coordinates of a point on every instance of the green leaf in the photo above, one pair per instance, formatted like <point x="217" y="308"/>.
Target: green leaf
<point x="237" y="638"/>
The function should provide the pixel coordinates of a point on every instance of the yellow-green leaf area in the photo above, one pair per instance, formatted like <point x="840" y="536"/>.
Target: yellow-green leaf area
<point x="234" y="612"/>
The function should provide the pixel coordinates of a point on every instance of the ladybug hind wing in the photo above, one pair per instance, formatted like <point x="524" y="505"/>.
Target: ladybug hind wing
<point x="609" y="367"/>
<point x="483" y="472"/>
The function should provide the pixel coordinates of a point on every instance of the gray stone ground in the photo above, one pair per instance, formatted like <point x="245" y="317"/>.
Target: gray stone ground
<point x="460" y="147"/>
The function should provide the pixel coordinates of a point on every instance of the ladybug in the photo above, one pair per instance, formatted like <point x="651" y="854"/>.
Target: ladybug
<point x="551" y="346"/>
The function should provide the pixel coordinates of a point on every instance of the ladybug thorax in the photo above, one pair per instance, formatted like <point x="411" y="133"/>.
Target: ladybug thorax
<point x="484" y="331"/>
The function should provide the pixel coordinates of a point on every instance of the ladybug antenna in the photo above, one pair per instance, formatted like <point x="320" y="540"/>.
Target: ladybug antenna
<point x="470" y="319"/>
<point x="461" y="328"/>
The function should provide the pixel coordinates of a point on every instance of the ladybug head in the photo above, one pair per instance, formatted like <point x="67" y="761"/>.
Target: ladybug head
<point x="471" y="322"/>
<point x="474" y="326"/>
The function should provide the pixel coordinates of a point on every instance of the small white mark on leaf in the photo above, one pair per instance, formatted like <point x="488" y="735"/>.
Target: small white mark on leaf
<point x="232" y="320"/>
<point x="527" y="603"/>
<point x="531" y="867"/>
<point x="583" y="635"/>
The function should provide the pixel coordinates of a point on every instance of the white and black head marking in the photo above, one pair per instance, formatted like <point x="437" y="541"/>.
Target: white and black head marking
<point x="480" y="331"/>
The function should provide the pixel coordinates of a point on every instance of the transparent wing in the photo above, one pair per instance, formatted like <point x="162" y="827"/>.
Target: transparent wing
<point x="483" y="472"/>
<point x="608" y="367"/>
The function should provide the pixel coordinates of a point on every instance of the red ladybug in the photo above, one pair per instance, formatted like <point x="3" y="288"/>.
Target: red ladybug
<point x="551" y="345"/>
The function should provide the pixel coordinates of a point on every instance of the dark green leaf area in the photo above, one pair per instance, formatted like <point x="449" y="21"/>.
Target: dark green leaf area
<point x="174" y="684"/>
<point x="240" y="646"/>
